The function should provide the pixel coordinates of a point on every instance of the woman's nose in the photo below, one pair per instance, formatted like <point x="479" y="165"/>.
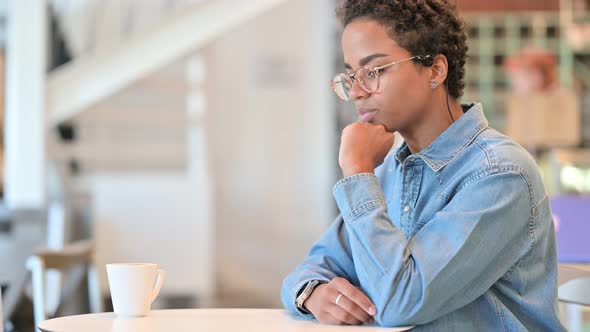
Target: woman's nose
<point x="357" y="91"/>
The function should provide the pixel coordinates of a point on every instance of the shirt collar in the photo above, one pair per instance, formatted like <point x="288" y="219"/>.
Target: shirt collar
<point x="452" y="141"/>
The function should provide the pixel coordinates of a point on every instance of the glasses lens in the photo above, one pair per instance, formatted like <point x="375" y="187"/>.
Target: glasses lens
<point x="368" y="78"/>
<point x="341" y="84"/>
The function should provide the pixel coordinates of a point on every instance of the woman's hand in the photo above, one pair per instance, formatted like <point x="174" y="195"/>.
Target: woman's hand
<point x="363" y="147"/>
<point x="339" y="302"/>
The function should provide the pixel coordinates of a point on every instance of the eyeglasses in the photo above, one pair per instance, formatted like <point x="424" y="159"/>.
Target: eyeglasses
<point x="367" y="77"/>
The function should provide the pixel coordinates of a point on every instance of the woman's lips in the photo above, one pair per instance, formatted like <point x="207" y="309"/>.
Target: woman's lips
<point x="367" y="116"/>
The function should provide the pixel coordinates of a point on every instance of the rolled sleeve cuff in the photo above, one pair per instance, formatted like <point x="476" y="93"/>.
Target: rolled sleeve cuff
<point x="357" y="194"/>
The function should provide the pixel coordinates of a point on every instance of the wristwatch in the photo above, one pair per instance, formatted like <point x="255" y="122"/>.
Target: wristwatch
<point x="304" y="295"/>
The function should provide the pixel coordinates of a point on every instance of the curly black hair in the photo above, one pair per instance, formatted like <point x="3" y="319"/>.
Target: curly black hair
<point x="423" y="27"/>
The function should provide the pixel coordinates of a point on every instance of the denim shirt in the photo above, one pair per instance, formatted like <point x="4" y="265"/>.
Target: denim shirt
<point x="457" y="237"/>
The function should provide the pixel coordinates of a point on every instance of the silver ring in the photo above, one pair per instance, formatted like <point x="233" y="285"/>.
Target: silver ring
<point x="338" y="298"/>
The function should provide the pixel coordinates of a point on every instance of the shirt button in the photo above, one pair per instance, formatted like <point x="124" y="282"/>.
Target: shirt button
<point x="407" y="209"/>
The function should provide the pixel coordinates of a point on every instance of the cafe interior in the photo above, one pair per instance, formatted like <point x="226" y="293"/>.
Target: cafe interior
<point x="203" y="136"/>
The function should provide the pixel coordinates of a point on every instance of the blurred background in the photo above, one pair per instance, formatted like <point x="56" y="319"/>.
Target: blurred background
<point x="203" y="136"/>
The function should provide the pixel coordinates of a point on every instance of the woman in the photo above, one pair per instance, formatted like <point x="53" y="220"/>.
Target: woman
<point x="453" y="230"/>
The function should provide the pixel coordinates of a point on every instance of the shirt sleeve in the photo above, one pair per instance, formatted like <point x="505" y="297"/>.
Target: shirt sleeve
<point x="328" y="258"/>
<point x="455" y="258"/>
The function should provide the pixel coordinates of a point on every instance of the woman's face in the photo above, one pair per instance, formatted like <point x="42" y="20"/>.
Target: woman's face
<point x="404" y="87"/>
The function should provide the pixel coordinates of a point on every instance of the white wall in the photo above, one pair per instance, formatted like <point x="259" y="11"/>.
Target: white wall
<point x="150" y="187"/>
<point x="149" y="183"/>
<point x="271" y="125"/>
<point x="157" y="218"/>
<point x="270" y="159"/>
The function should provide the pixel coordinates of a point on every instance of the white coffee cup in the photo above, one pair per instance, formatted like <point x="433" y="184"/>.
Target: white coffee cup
<point x="134" y="286"/>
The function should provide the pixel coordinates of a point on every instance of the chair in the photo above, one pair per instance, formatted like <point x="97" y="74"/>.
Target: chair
<point x="574" y="291"/>
<point x="79" y="253"/>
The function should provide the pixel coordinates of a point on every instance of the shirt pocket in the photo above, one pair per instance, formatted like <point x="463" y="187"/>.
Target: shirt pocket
<point x="427" y="210"/>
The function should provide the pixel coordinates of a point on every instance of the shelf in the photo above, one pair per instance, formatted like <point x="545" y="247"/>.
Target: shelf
<point x="494" y="37"/>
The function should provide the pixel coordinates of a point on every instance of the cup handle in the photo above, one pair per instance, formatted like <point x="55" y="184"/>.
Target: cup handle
<point x="159" y="283"/>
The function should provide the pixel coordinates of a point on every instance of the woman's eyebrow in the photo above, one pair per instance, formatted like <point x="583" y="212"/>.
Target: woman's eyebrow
<point x="366" y="59"/>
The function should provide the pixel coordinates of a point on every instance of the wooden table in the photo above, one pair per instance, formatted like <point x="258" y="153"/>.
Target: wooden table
<point x="210" y="320"/>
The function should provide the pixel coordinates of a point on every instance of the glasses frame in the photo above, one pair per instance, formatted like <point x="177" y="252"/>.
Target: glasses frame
<point x="351" y="78"/>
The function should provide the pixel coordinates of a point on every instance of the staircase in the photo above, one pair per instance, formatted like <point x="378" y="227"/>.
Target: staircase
<point x="78" y="85"/>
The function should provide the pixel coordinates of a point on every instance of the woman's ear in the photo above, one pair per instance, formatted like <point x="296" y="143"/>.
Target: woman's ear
<point x="439" y="70"/>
